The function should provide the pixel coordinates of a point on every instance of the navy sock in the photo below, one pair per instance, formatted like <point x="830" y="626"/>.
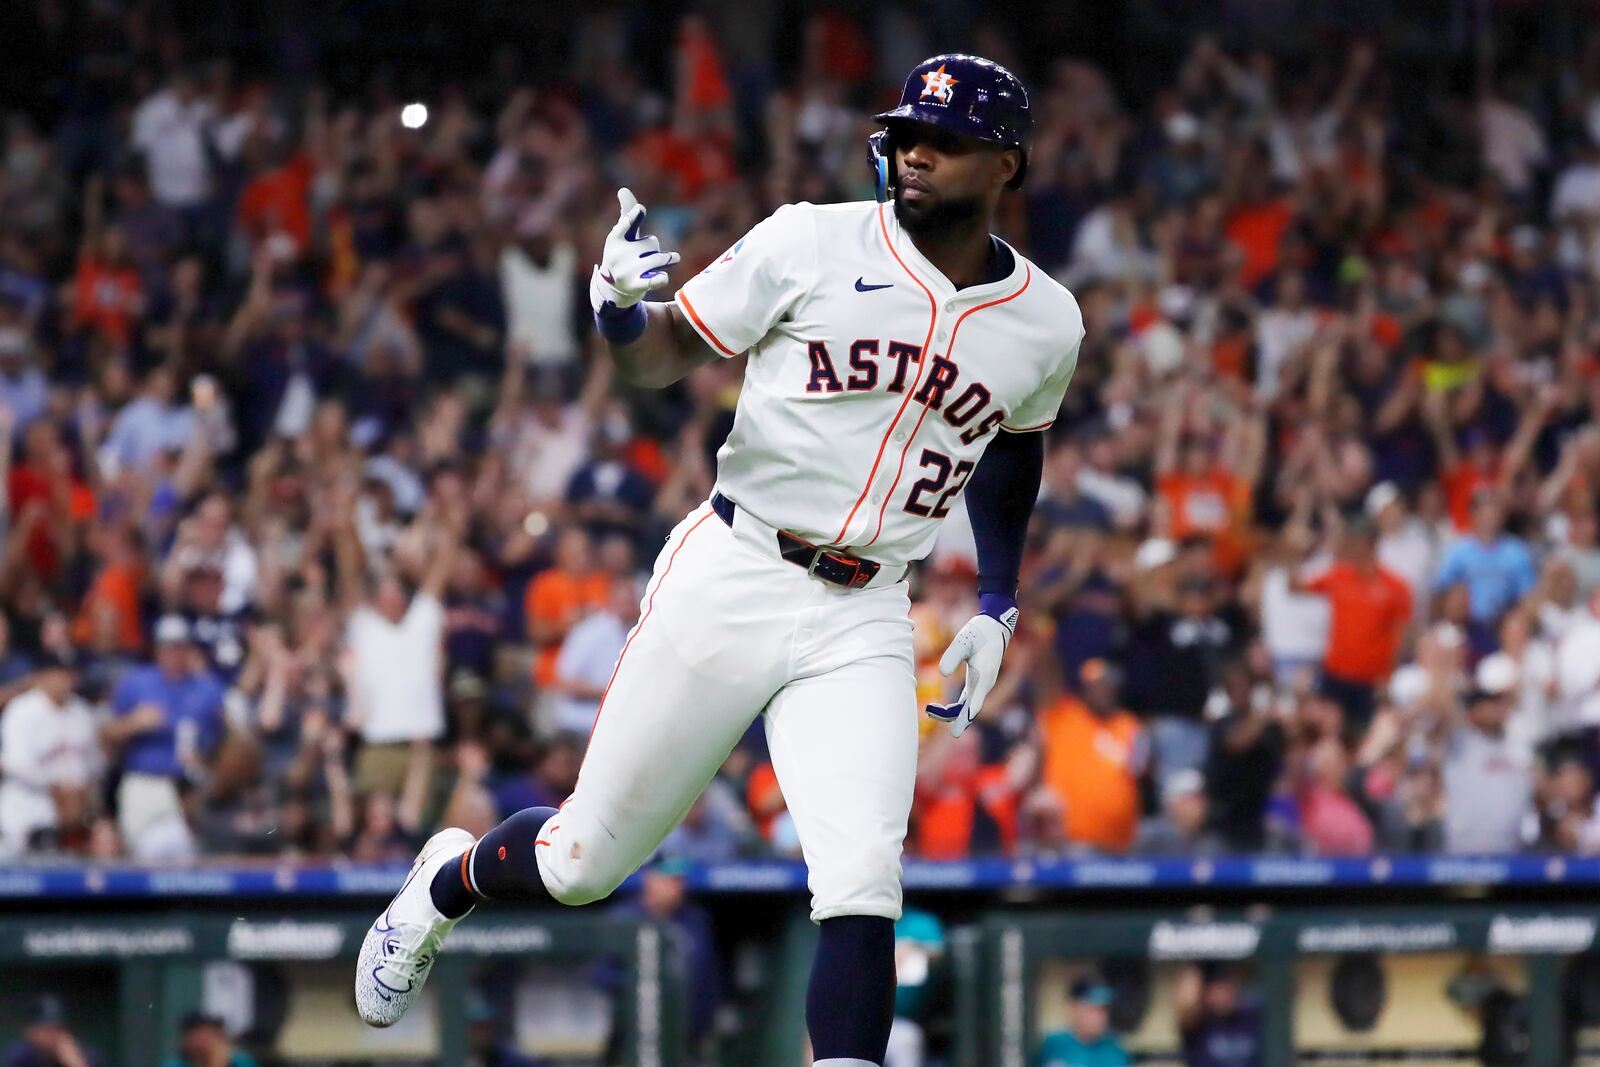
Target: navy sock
<point x="850" y="1001"/>
<point x="500" y="867"/>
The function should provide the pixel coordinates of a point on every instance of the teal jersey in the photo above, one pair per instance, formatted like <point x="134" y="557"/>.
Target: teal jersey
<point x="1063" y="1049"/>
<point x="911" y="991"/>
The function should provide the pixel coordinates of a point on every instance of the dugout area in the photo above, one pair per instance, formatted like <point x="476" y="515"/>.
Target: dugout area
<point x="1448" y="984"/>
<point x="590" y="987"/>
<point x="1451" y="983"/>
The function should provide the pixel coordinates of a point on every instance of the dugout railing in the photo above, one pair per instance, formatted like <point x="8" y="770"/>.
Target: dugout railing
<point x="129" y="981"/>
<point x="1543" y="955"/>
<point x="131" y="949"/>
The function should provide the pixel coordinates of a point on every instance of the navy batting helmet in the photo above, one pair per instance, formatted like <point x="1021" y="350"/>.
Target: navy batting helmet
<point x="968" y="95"/>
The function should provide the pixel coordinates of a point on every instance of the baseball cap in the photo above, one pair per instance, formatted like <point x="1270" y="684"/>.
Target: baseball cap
<point x="1408" y="684"/>
<point x="1526" y="238"/>
<point x="1496" y="675"/>
<point x="676" y="866"/>
<point x="1091" y="989"/>
<point x="1156" y="552"/>
<point x="1095" y="429"/>
<point x="1182" y="783"/>
<point x="48" y="1010"/>
<point x="1162" y="345"/>
<point x="1381" y="496"/>
<point x="203" y="565"/>
<point x="479" y="1010"/>
<point x="51" y="661"/>
<point x="468" y="685"/>
<point x="13" y="343"/>
<point x="1177" y="302"/>
<point x="1181" y="126"/>
<point x="172" y="630"/>
<point x="1361" y="525"/>
<point x="1449" y="635"/>
<point x="197" y="1019"/>
<point x="1219" y="971"/>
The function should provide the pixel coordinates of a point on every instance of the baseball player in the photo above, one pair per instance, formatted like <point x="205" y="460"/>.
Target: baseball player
<point x="899" y="356"/>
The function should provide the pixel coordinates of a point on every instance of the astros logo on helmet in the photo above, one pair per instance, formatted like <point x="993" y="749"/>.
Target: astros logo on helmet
<point x="937" y="84"/>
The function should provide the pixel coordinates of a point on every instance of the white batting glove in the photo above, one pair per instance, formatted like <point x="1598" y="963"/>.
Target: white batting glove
<point x="632" y="263"/>
<point x="981" y="645"/>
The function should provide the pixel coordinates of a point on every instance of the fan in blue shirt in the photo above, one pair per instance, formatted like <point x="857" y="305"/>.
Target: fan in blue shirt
<point x="1496" y="568"/>
<point x="168" y="712"/>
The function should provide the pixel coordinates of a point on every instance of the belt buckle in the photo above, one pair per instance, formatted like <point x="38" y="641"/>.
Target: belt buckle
<point x="858" y="577"/>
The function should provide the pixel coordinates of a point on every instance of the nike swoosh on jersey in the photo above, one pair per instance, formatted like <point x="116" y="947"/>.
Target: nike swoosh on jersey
<point x="862" y="287"/>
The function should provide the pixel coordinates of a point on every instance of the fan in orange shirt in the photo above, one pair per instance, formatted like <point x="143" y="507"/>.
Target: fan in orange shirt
<point x="1094" y="754"/>
<point x="963" y="805"/>
<point x="1209" y="498"/>
<point x="702" y="81"/>
<point x="48" y="496"/>
<point x="1370" y="608"/>
<point x="1477" y="463"/>
<point x="278" y="199"/>
<point x="1258" y="223"/>
<point x="115" y="591"/>
<point x="559" y="597"/>
<point x="764" y="798"/>
<point x="107" y="296"/>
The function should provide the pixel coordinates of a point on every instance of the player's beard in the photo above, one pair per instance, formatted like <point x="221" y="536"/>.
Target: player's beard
<point x="939" y="218"/>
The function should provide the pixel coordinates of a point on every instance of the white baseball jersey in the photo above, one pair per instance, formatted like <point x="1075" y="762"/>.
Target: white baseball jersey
<point x="873" y="384"/>
<point x="872" y="388"/>
<point x="42" y="745"/>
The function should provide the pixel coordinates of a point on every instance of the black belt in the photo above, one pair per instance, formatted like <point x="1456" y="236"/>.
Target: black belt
<point x="825" y="563"/>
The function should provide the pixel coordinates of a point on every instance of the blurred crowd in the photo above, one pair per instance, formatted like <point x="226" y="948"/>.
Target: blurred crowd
<point x="324" y="520"/>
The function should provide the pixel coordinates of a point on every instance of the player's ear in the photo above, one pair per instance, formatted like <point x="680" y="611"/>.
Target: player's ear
<point x="1003" y="168"/>
<point x="1010" y="163"/>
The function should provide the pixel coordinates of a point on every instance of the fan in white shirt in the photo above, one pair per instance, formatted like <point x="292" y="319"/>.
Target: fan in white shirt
<point x="1578" y="671"/>
<point x="49" y="754"/>
<point x="396" y="641"/>
<point x="176" y="128"/>
<point x="1406" y="545"/>
<point x="1281" y="330"/>
<point x="539" y="279"/>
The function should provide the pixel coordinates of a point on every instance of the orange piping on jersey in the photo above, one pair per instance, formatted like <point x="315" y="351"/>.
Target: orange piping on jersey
<point x="954" y="330"/>
<point x="464" y="879"/>
<point x="649" y="604"/>
<point x="922" y="361"/>
<point x="704" y="329"/>
<point x="1028" y="429"/>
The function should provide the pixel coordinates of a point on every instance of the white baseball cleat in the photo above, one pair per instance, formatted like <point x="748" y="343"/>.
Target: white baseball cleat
<point x="399" y="950"/>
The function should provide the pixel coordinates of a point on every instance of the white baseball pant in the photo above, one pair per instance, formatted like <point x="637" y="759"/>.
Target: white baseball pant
<point x="729" y="630"/>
